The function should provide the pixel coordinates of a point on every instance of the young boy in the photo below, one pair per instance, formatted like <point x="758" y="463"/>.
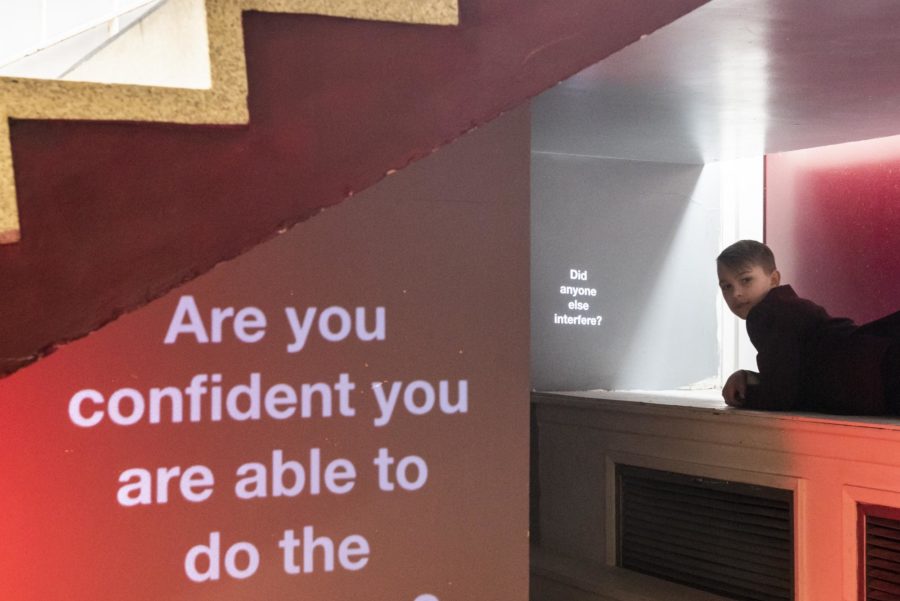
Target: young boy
<point x="808" y="360"/>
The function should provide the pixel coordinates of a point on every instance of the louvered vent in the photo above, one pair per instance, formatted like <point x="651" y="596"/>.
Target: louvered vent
<point x="882" y="553"/>
<point x="729" y="538"/>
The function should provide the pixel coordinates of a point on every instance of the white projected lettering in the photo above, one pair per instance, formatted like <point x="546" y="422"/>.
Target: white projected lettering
<point x="200" y="399"/>
<point x="578" y="293"/>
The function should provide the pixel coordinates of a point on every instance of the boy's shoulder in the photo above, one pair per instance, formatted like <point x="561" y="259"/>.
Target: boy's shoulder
<point x="784" y="297"/>
<point x="782" y="304"/>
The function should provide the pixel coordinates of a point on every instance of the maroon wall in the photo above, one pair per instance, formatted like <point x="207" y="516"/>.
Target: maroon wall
<point x="833" y="221"/>
<point x="116" y="214"/>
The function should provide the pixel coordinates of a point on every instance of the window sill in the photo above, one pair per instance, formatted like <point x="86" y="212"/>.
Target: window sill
<point x="699" y="402"/>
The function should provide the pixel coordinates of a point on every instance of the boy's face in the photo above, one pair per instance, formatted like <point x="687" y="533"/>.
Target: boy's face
<point x="744" y="287"/>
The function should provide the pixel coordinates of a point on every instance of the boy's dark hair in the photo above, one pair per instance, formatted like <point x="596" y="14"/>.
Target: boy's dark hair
<point x="747" y="252"/>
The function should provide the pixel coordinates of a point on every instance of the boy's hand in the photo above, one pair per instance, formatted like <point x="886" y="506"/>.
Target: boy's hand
<point x="735" y="389"/>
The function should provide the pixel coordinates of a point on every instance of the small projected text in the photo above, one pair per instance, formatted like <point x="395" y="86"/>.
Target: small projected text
<point x="579" y="295"/>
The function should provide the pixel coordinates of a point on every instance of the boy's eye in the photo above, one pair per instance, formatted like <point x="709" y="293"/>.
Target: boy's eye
<point x="746" y="280"/>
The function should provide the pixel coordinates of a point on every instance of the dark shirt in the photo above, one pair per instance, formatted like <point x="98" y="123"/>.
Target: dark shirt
<point x="810" y="361"/>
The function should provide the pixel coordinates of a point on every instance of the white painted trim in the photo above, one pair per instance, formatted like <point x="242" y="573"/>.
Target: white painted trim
<point x="852" y="497"/>
<point x="830" y="462"/>
<point x="741" y="201"/>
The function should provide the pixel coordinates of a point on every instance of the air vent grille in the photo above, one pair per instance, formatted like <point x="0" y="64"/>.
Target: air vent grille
<point x="729" y="538"/>
<point x="882" y="553"/>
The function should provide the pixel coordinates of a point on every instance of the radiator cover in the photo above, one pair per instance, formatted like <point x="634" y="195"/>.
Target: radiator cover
<point x="729" y="538"/>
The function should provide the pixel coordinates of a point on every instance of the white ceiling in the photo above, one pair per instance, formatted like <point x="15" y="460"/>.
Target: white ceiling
<point x="735" y="78"/>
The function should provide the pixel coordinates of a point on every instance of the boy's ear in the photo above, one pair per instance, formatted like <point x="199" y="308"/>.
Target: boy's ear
<point x="775" y="278"/>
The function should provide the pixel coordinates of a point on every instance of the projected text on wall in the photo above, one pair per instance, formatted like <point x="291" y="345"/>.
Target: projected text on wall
<point x="579" y="299"/>
<point x="210" y="397"/>
<point x="321" y="418"/>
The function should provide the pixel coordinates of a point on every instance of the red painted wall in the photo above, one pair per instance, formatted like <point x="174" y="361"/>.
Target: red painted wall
<point x="833" y="221"/>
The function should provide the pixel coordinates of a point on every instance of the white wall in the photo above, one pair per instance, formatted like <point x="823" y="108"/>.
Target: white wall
<point x="169" y="47"/>
<point x="647" y="235"/>
<point x="145" y="42"/>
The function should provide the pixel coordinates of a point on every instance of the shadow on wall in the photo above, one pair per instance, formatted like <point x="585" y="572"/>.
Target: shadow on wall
<point x="644" y="235"/>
